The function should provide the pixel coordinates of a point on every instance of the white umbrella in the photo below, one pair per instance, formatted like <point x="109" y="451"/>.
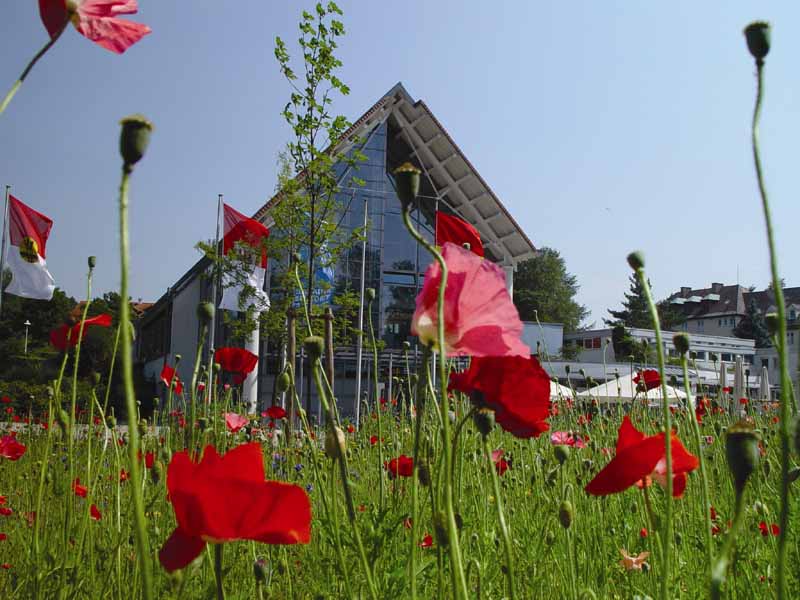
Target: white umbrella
<point x="625" y="389"/>
<point x="558" y="391"/>
<point x="738" y="379"/>
<point x="763" y="392"/>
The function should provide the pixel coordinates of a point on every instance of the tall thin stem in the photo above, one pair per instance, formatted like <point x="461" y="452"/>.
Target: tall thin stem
<point x="666" y="541"/>
<point x="786" y="382"/>
<point x="501" y="518"/>
<point x="218" y="571"/>
<point x="140" y="529"/>
<point x="377" y="402"/>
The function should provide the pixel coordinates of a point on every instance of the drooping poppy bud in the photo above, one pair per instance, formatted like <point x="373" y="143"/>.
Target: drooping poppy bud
<point x="424" y="473"/>
<point x="334" y="443"/>
<point x="407" y="178"/>
<point x="314" y="345"/>
<point x="562" y="453"/>
<point x="484" y="421"/>
<point x="741" y="449"/>
<point x="92" y="262"/>
<point x="681" y="342"/>
<point x="758" y="36"/>
<point x="283" y="382"/>
<point x="134" y="138"/>
<point x="772" y="322"/>
<point x="440" y="529"/>
<point x="636" y="260"/>
<point x="566" y="513"/>
<point x="370" y="294"/>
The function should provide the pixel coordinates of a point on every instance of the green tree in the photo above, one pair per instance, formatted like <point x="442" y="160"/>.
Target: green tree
<point x="753" y="327"/>
<point x="635" y="312"/>
<point x="544" y="287"/>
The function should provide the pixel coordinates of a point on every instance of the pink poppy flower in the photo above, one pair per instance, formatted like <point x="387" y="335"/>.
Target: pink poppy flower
<point x="566" y="438"/>
<point x="235" y="422"/>
<point x="480" y="319"/>
<point x="633" y="563"/>
<point x="96" y="20"/>
<point x="500" y="463"/>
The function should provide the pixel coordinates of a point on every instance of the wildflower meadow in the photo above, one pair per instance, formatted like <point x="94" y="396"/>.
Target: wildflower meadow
<point x="473" y="479"/>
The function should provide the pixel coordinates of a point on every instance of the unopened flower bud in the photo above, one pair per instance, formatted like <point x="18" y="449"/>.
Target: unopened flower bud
<point x="92" y="262"/>
<point x="440" y="529"/>
<point x="157" y="472"/>
<point x="484" y="421"/>
<point x="260" y="568"/>
<point x="636" y="260"/>
<point x="134" y="138"/>
<point x="794" y="474"/>
<point x="370" y="294"/>
<point x="177" y="358"/>
<point x="314" y="345"/>
<point x="741" y="449"/>
<point x="95" y="378"/>
<point x="424" y="473"/>
<point x="759" y="507"/>
<point x="562" y="453"/>
<point x="772" y="322"/>
<point x="565" y="514"/>
<point x="406" y="179"/>
<point x="283" y="382"/>
<point x="758" y="36"/>
<point x="205" y="312"/>
<point x="334" y="443"/>
<point x="681" y="342"/>
<point x="406" y="345"/>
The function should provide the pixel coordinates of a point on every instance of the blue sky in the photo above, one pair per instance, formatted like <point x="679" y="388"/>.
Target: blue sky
<point x="604" y="127"/>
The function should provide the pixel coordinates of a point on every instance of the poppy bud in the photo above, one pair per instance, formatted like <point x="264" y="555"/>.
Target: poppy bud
<point x="772" y="322"/>
<point x="566" y="369"/>
<point x="424" y="473"/>
<point x="283" y="382"/>
<point x="63" y="418"/>
<point x="95" y="378"/>
<point x="562" y="453"/>
<point x="406" y="346"/>
<point x="484" y="421"/>
<point x="112" y="421"/>
<point x="205" y="312"/>
<point x="370" y="294"/>
<point x="440" y="529"/>
<point x="202" y="423"/>
<point x="794" y="474"/>
<point x="636" y="260"/>
<point x="334" y="443"/>
<point x="92" y="262"/>
<point x="156" y="472"/>
<point x="550" y="538"/>
<point x="177" y="359"/>
<point x="566" y="514"/>
<point x="260" y="567"/>
<point x="741" y="449"/>
<point x="759" y="507"/>
<point x="314" y="345"/>
<point x="757" y="35"/>
<point x="681" y="342"/>
<point x="142" y="427"/>
<point x="406" y="179"/>
<point x="134" y="138"/>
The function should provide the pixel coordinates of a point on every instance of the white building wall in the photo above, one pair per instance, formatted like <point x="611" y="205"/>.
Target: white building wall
<point x="185" y="328"/>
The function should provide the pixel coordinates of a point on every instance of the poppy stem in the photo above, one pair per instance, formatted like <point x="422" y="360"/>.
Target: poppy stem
<point x="721" y="566"/>
<point x="459" y="580"/>
<point x="421" y="391"/>
<point x="666" y="542"/>
<point x="197" y="360"/>
<point x="786" y="383"/>
<point x="501" y="518"/>
<point x="18" y="83"/>
<point x="703" y="478"/>
<point x="140" y="529"/>
<point x="218" y="571"/>
<point x="377" y="401"/>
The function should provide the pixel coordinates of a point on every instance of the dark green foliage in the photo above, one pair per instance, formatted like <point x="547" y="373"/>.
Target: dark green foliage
<point x="753" y="326"/>
<point x="634" y="312"/>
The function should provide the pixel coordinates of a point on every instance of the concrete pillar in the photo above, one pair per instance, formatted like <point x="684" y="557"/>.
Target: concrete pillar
<point x="250" y="385"/>
<point x="509" y="280"/>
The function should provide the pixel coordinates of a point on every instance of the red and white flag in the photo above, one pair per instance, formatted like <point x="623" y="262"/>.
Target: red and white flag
<point x="459" y="232"/>
<point x="241" y="229"/>
<point x="28" y="232"/>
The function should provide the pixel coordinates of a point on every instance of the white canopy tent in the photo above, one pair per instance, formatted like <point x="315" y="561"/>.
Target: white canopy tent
<point x="559" y="391"/>
<point x="624" y="389"/>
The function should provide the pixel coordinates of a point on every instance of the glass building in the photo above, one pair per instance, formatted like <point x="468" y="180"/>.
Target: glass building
<point x="396" y="129"/>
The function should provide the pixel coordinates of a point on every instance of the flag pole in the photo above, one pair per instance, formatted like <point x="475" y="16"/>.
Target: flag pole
<point x="3" y="247"/>
<point x="212" y="333"/>
<point x="360" y="340"/>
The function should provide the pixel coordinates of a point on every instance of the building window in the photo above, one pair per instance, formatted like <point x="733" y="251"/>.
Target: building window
<point x="727" y="357"/>
<point x="765" y="363"/>
<point x="775" y="363"/>
<point x="719" y="322"/>
<point x="792" y="315"/>
<point x="700" y="325"/>
<point x="701" y="355"/>
<point x="595" y="343"/>
<point x="791" y="337"/>
<point x="587" y="343"/>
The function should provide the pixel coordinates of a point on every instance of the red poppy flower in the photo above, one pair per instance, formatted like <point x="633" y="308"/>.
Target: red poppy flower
<point x="235" y="422"/>
<point x="79" y="489"/>
<point x="95" y="513"/>
<point x="65" y="337"/>
<point x="3" y="537"/>
<point x="149" y="459"/>
<point x="640" y="456"/>
<point x="767" y="530"/>
<point x="427" y="541"/>
<point x="402" y="466"/>
<point x="650" y="377"/>
<point x="3" y="500"/>
<point x="96" y="20"/>
<point x="225" y="498"/>
<point x="713" y="512"/>
<point x="236" y="360"/>
<point x="517" y="390"/>
<point x="480" y="318"/>
<point x="743" y="401"/>
<point x="407" y="523"/>
<point x="124" y="475"/>
<point x="351" y="429"/>
<point x="10" y="448"/>
<point x="169" y="376"/>
<point x="727" y="390"/>
<point x="716" y="530"/>
<point x="373" y="440"/>
<point x="500" y="463"/>
<point x="5" y="566"/>
<point x="6" y="512"/>
<point x="643" y="532"/>
<point x="5" y="400"/>
<point x="276" y="412"/>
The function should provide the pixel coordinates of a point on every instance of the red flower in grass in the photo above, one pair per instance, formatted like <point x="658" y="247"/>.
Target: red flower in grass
<point x="640" y="456"/>
<point x="427" y="541"/>
<point x="169" y="376"/>
<point x="567" y="438"/>
<point x="96" y="20"/>
<point x="517" y="389"/>
<point x="95" y="512"/>
<point x="402" y="466"/>
<point x="3" y="500"/>
<point x="10" y="448"/>
<point x="149" y="459"/>
<point x="500" y="463"/>
<point x="5" y="400"/>
<point x="351" y="429"/>
<point x="225" y="498"/>
<point x="79" y="489"/>
<point x="6" y="512"/>
<point x="3" y="537"/>
<point x="480" y="319"/>
<point x="767" y="530"/>
<point x="373" y="439"/>
<point x="649" y="378"/>
<point x="643" y="532"/>
<point x="238" y="361"/>
<point x="743" y="401"/>
<point x="275" y="412"/>
<point x="124" y="475"/>
<point x="65" y="337"/>
<point x="235" y="422"/>
<point x="5" y="566"/>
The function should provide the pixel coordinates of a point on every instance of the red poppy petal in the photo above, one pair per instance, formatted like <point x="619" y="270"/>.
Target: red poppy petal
<point x="628" y="435"/>
<point x="629" y="466"/>
<point x="54" y="14"/>
<point x="116" y="35"/>
<point x="678" y="485"/>
<point x="179" y="550"/>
